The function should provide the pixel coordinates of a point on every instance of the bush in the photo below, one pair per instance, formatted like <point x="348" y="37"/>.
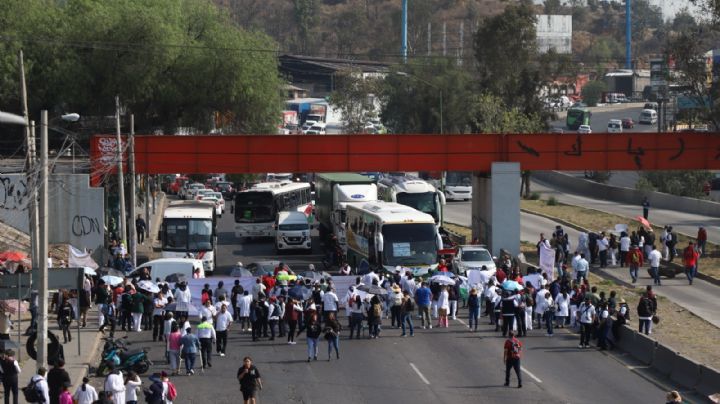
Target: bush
<point x="552" y="201"/>
<point x="534" y="196"/>
<point x="592" y="92"/>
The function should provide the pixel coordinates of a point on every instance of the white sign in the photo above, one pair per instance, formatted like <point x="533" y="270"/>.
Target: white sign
<point x="547" y="261"/>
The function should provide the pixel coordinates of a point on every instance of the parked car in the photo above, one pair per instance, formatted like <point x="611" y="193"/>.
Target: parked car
<point x="584" y="129"/>
<point x="628" y="123"/>
<point x="473" y="257"/>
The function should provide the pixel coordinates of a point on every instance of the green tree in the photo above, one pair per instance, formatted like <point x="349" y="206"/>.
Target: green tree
<point x="354" y="96"/>
<point x="592" y="92"/>
<point x="305" y="18"/>
<point x="681" y="183"/>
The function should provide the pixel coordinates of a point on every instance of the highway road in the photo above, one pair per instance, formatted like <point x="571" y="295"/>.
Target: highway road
<point x="601" y="116"/>
<point x="436" y="366"/>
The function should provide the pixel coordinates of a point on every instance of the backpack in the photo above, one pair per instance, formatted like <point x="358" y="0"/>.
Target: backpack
<point x="32" y="393"/>
<point x="377" y="310"/>
<point x="172" y="393"/>
<point x="635" y="258"/>
<point x="204" y="297"/>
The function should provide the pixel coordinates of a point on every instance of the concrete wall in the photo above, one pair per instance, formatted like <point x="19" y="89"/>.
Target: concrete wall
<point x="496" y="208"/>
<point x="76" y="210"/>
<point x="660" y="200"/>
<point x="554" y="31"/>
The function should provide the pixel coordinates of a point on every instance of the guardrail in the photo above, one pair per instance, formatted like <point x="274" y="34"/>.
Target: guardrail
<point x="668" y="362"/>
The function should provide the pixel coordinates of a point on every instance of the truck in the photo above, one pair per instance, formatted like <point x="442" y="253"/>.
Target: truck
<point x="304" y="107"/>
<point x="412" y="191"/>
<point x="334" y="192"/>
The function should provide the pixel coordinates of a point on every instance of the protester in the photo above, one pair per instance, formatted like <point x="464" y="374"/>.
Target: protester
<point x="114" y="383"/>
<point x="654" y="259"/>
<point x="473" y="309"/>
<point x="174" y="346"/>
<point x="332" y="335"/>
<point x="407" y="308"/>
<point x="132" y="385"/>
<point x="443" y="304"/>
<point x="512" y="353"/>
<point x="190" y="346"/>
<point x="250" y="381"/>
<point x="690" y="260"/>
<point x="65" y="396"/>
<point x="85" y="393"/>
<point x="10" y="372"/>
<point x="222" y="322"/>
<point x="312" y="333"/>
<point x="701" y="240"/>
<point x="207" y="336"/>
<point x="635" y="261"/>
<point x="586" y="315"/>
<point x="374" y="317"/>
<point x="56" y="378"/>
<point x="423" y="297"/>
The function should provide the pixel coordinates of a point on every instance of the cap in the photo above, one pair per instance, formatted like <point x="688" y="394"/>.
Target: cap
<point x="163" y="374"/>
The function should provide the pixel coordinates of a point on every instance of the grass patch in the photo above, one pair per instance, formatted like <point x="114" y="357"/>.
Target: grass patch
<point x="601" y="221"/>
<point x="461" y="230"/>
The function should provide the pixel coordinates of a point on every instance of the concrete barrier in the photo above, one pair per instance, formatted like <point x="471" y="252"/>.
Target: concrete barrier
<point x="626" y="339"/>
<point x="640" y="346"/>
<point x="685" y="372"/>
<point x="709" y="382"/>
<point x="630" y="196"/>
<point x="664" y="360"/>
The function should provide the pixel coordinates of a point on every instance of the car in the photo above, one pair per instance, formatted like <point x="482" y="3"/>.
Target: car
<point x="473" y="257"/>
<point x="628" y="123"/>
<point x="259" y="268"/>
<point x="192" y="189"/>
<point x="614" y="126"/>
<point x="317" y="128"/>
<point x="215" y="200"/>
<point x="584" y="129"/>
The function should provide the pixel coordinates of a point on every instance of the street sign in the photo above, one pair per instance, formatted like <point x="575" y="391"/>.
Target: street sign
<point x="10" y="283"/>
<point x="685" y="102"/>
<point x="62" y="278"/>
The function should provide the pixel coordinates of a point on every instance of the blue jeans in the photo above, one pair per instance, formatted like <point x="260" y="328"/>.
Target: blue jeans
<point x="333" y="342"/>
<point x="690" y="272"/>
<point x="644" y="327"/>
<point x="549" y="320"/>
<point x="407" y="319"/>
<point x="580" y="274"/>
<point x="655" y="274"/>
<point x="633" y="272"/>
<point x="189" y="361"/>
<point x="473" y="317"/>
<point x="312" y="344"/>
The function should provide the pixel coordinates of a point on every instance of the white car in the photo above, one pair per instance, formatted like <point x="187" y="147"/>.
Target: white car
<point x="473" y="257"/>
<point x="220" y="198"/>
<point x="215" y="200"/>
<point x="200" y="193"/>
<point x="584" y="129"/>
<point x="192" y="189"/>
<point x="614" y="126"/>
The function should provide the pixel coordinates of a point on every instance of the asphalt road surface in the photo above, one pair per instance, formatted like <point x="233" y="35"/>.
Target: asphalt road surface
<point x="601" y="116"/>
<point x="440" y="365"/>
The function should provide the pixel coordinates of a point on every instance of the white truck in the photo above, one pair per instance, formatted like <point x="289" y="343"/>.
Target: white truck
<point x="334" y="192"/>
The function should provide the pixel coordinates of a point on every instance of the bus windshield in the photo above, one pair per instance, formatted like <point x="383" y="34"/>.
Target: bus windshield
<point x="188" y="235"/>
<point x="458" y="179"/>
<point x="424" y="202"/>
<point x="253" y="207"/>
<point x="409" y="244"/>
<point x="577" y="117"/>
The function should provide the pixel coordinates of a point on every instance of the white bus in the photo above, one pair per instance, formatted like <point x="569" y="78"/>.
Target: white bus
<point x="188" y="227"/>
<point x="413" y="192"/>
<point x="384" y="235"/>
<point x="458" y="186"/>
<point x="256" y="208"/>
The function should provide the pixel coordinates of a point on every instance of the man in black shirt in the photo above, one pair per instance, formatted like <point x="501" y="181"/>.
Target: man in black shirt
<point x="56" y="378"/>
<point x="249" y="378"/>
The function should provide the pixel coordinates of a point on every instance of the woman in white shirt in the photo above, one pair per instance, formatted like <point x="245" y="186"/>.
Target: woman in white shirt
<point x="85" y="393"/>
<point x="549" y="313"/>
<point x="443" y="307"/>
<point x="132" y="385"/>
<point x="540" y="306"/>
<point x="562" y="303"/>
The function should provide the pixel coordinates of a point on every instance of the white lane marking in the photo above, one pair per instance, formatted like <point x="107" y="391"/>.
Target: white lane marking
<point x="462" y="322"/>
<point x="527" y="372"/>
<point x="425" y="380"/>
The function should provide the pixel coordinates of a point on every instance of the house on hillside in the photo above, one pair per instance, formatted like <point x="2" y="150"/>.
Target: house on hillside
<point x="317" y="75"/>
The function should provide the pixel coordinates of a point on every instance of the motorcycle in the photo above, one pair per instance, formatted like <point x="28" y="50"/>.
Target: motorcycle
<point x="115" y="352"/>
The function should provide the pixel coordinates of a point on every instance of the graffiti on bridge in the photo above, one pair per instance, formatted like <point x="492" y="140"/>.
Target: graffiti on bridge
<point x="84" y="225"/>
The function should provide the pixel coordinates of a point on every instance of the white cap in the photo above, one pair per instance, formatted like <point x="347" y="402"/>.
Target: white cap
<point x="311" y="267"/>
<point x="398" y="268"/>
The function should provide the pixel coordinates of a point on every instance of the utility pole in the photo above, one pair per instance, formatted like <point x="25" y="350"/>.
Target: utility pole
<point x="122" y="223"/>
<point x="403" y="32"/>
<point x="133" y="183"/>
<point x="42" y="330"/>
<point x="147" y="207"/>
<point x="429" y="38"/>
<point x="444" y="38"/>
<point x="628" y="34"/>
<point x="30" y="164"/>
<point x="462" y="39"/>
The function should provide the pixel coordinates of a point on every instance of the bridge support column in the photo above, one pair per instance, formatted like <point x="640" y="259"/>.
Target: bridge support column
<point x="496" y="208"/>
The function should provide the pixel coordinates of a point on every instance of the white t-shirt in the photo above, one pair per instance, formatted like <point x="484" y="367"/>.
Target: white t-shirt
<point x="88" y="396"/>
<point x="223" y="320"/>
<point x="244" y="305"/>
<point x="444" y="300"/>
<point x="256" y="289"/>
<point x="330" y="301"/>
<point x="625" y="243"/>
<point x="603" y="244"/>
<point x="183" y="296"/>
<point x="159" y="301"/>
<point x="586" y="313"/>
<point x="654" y="257"/>
<point x="562" y="305"/>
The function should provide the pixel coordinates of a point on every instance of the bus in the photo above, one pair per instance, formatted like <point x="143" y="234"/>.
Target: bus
<point x="384" y="235"/>
<point x="458" y="185"/>
<point x="578" y="115"/>
<point x="413" y="192"/>
<point x="256" y="208"/>
<point x="189" y="227"/>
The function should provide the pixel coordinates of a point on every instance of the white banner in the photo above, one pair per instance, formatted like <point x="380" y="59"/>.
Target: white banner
<point x="80" y="259"/>
<point x="547" y="261"/>
<point x="476" y="276"/>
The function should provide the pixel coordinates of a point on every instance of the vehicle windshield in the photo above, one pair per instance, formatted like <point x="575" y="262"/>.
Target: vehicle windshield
<point x="188" y="235"/>
<point x="476" y="255"/>
<point x="253" y="207"/>
<point x="424" y="202"/>
<point x="409" y="244"/>
<point x="294" y="226"/>
<point x="458" y="179"/>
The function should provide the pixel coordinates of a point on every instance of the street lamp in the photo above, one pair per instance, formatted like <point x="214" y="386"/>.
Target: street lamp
<point x="442" y="131"/>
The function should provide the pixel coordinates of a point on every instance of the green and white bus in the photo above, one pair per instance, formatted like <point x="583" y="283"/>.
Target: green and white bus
<point x="578" y="115"/>
<point x="384" y="235"/>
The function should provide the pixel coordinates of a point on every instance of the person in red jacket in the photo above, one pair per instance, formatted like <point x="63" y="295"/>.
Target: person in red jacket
<point x="512" y="351"/>
<point x="635" y="258"/>
<point x="690" y="259"/>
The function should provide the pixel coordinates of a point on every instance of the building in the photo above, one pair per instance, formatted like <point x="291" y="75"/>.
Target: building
<point x="554" y="32"/>
<point x="317" y="75"/>
<point x="626" y="81"/>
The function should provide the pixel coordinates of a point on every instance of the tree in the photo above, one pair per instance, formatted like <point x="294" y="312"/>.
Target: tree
<point x="592" y="92"/>
<point x="552" y="6"/>
<point x="305" y="16"/>
<point x="680" y="183"/>
<point x="354" y="96"/>
<point x="173" y="63"/>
